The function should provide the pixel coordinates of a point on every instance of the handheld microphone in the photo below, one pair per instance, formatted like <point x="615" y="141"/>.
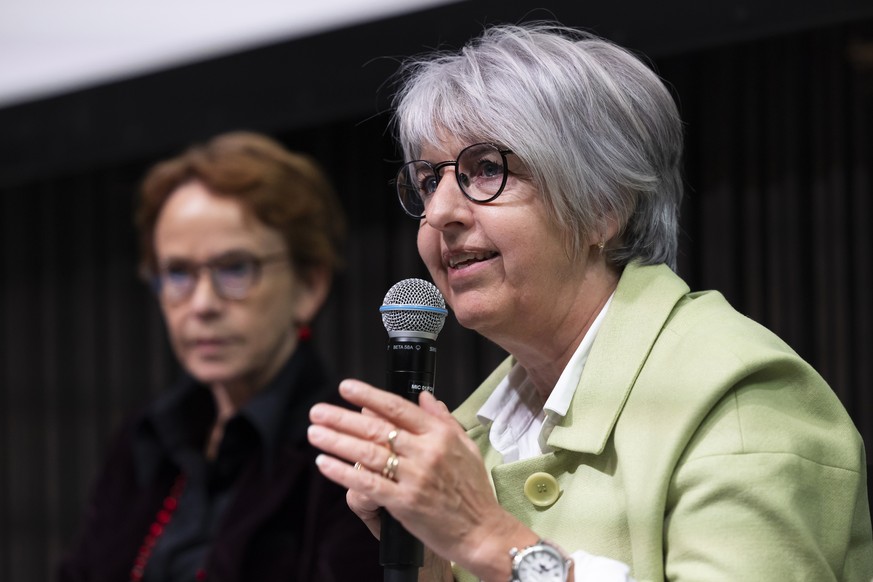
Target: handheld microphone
<point x="413" y="313"/>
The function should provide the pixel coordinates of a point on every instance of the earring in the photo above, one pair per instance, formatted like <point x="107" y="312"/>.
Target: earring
<point x="600" y="246"/>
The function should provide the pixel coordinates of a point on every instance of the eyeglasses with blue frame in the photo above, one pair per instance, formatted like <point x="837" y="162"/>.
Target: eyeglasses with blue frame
<point x="233" y="275"/>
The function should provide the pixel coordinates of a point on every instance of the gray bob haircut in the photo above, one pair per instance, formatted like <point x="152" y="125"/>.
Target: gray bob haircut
<point x="596" y="127"/>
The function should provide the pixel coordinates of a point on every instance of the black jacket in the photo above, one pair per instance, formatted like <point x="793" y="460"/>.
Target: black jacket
<point x="284" y="521"/>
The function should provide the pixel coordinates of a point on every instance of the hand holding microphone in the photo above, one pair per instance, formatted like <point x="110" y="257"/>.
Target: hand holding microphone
<point x="418" y="466"/>
<point x="413" y="313"/>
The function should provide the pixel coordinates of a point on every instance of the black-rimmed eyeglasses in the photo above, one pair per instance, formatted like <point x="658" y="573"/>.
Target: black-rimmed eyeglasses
<point x="233" y="275"/>
<point x="480" y="170"/>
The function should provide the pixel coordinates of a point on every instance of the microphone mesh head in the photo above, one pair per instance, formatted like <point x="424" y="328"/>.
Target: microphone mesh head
<point x="414" y="305"/>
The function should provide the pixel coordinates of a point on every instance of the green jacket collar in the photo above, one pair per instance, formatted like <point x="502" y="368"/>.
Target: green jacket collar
<point x="643" y="301"/>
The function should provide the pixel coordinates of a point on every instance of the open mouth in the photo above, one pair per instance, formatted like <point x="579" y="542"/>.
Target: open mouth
<point x="463" y="260"/>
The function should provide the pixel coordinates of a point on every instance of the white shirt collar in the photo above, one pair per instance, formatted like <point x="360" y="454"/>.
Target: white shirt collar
<point x="520" y="422"/>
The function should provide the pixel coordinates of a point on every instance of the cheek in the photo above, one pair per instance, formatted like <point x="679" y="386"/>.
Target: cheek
<point x="429" y="248"/>
<point x="173" y="322"/>
<point x="274" y="310"/>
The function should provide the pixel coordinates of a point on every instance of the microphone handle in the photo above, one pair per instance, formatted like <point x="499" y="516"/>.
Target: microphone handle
<point x="411" y="367"/>
<point x="401" y="554"/>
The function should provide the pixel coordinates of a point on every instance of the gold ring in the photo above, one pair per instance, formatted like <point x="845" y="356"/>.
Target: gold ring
<point x="358" y="466"/>
<point x="391" y="437"/>
<point x="390" y="469"/>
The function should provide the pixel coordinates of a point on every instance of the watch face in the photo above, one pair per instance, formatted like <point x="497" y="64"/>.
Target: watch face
<point x="541" y="564"/>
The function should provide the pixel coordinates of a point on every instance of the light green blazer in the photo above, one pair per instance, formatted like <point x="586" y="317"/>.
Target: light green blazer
<point x="698" y="447"/>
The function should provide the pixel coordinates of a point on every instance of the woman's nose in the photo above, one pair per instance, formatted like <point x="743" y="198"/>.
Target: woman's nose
<point x="447" y="204"/>
<point x="204" y="297"/>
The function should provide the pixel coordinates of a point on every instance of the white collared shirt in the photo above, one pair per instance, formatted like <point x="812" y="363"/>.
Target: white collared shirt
<point x="521" y="424"/>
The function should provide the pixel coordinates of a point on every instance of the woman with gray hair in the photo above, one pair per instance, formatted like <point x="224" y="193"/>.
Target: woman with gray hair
<point x="637" y="429"/>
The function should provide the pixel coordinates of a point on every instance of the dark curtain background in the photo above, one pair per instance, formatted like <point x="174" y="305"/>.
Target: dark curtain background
<point x="777" y="217"/>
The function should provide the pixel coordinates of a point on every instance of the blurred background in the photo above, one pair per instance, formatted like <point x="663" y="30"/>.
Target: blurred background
<point x="778" y="103"/>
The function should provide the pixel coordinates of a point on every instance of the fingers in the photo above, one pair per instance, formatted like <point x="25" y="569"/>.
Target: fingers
<point x="417" y="463"/>
<point x="440" y="411"/>
<point x="371" y="490"/>
<point x="431" y="405"/>
<point x="391" y="439"/>
<point x="371" y="455"/>
<point x="366" y="425"/>
<point x="362" y="505"/>
<point x="397" y="410"/>
<point x="382" y="414"/>
<point x="363" y="481"/>
<point x="366" y="509"/>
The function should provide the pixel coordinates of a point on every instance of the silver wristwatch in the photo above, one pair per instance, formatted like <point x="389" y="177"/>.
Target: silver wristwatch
<point x="541" y="562"/>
